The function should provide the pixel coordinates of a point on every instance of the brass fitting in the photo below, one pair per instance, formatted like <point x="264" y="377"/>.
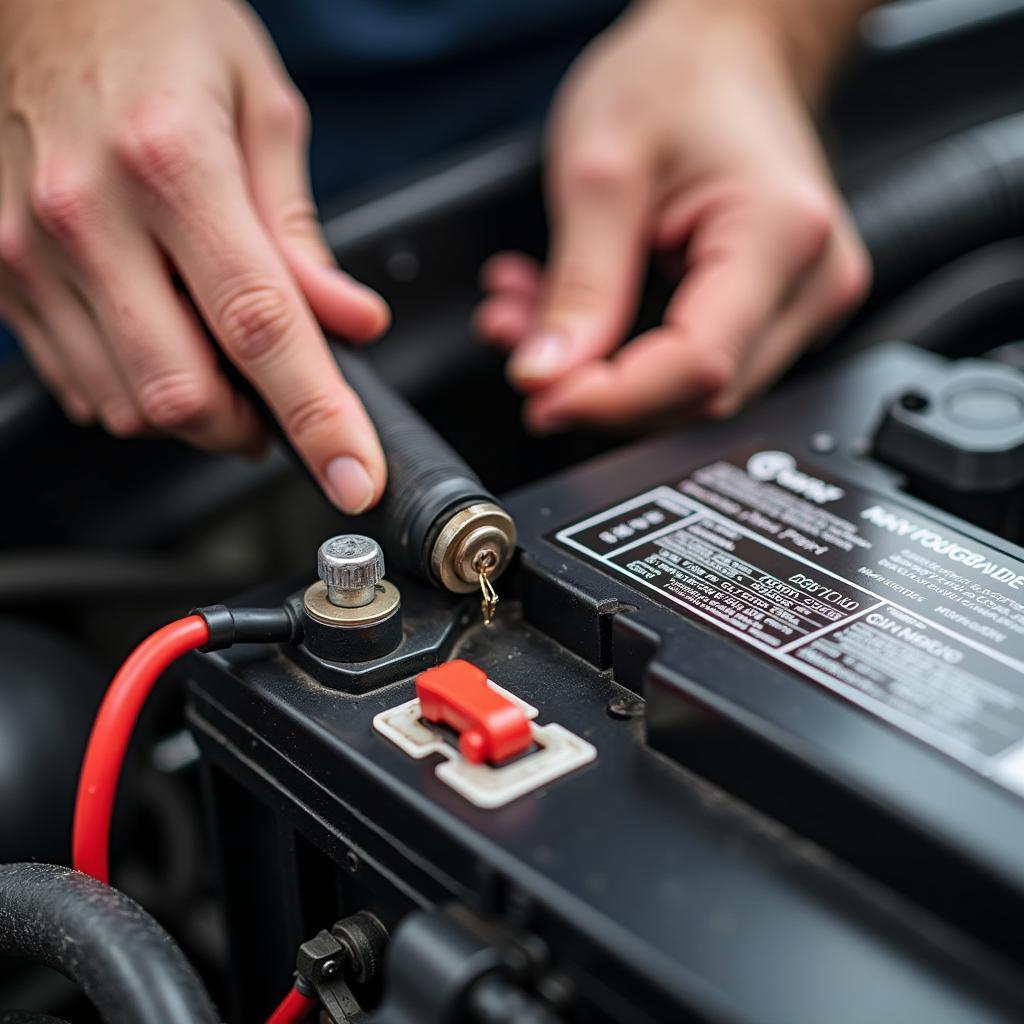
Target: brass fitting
<point x="478" y="539"/>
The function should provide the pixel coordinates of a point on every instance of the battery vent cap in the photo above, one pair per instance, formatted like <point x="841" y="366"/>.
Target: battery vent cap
<point x="961" y="428"/>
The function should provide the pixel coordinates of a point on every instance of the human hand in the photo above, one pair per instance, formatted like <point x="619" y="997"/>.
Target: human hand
<point x="157" y="141"/>
<point x="683" y="128"/>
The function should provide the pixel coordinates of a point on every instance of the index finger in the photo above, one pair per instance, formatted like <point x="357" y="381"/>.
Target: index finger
<point x="249" y="301"/>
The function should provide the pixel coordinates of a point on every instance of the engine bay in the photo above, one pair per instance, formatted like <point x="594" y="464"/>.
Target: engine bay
<point x="724" y="722"/>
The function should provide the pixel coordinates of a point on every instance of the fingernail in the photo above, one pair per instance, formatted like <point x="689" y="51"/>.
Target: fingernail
<point x="350" y="485"/>
<point x="539" y="356"/>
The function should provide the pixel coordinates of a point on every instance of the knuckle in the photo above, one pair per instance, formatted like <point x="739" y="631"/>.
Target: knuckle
<point x="157" y="146"/>
<point x="813" y="216"/>
<point x="255" y="320"/>
<point x="286" y="115"/>
<point x="312" y="416"/>
<point x="298" y="219"/>
<point x="175" y="400"/>
<point x="576" y="291"/>
<point x="63" y="200"/>
<point x="600" y="169"/>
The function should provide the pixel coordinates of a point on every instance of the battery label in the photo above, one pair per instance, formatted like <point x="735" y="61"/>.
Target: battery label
<point x="900" y="615"/>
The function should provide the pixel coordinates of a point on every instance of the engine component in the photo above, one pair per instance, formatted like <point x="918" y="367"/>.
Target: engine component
<point x="739" y="618"/>
<point x="126" y="964"/>
<point x="959" y="194"/>
<point x="439" y="971"/>
<point x="350" y="952"/>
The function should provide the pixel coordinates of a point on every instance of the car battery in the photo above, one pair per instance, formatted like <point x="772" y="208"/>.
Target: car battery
<point x="870" y="689"/>
<point x="764" y="716"/>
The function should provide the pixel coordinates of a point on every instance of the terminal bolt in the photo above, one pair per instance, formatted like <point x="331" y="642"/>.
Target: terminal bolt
<point x="351" y="566"/>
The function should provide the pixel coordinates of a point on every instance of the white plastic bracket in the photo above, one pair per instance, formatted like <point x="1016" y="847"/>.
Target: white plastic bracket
<point x="559" y="753"/>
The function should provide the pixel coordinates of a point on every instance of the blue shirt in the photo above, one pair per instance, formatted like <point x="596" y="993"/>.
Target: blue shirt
<point x="391" y="83"/>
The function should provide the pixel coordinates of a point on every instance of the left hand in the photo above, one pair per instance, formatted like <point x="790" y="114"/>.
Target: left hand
<point x="684" y="127"/>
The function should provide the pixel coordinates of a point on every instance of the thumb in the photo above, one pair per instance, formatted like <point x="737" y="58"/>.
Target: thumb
<point x="274" y="135"/>
<point x="598" y="211"/>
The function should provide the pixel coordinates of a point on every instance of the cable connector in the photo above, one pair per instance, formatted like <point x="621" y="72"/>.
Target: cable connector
<point x="352" y="951"/>
<point x="230" y="626"/>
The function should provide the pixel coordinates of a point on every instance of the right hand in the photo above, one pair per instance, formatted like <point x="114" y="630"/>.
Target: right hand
<point x="159" y="140"/>
<point x="685" y="128"/>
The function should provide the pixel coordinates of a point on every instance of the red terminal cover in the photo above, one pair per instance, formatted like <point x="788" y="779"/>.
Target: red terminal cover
<point x="490" y="727"/>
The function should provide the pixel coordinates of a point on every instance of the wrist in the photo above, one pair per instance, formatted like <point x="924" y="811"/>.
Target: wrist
<point x="815" y="36"/>
<point x="811" y="37"/>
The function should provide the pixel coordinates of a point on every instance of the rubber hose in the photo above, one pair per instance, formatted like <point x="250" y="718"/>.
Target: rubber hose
<point x="125" y="963"/>
<point x="949" y="199"/>
<point x="956" y="311"/>
<point x="427" y="480"/>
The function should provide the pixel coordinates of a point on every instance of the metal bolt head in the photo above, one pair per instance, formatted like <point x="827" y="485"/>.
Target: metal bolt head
<point x="625" y="708"/>
<point x="351" y="566"/>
